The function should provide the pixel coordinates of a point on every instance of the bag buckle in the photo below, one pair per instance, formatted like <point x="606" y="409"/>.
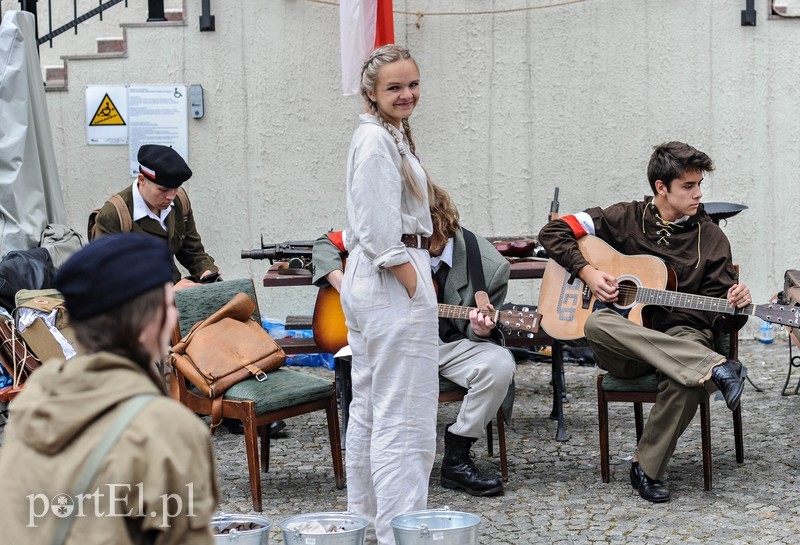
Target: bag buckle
<point x="261" y="376"/>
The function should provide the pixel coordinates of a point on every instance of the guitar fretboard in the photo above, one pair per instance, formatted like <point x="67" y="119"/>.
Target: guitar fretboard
<point x="668" y="298"/>
<point x="461" y="313"/>
<point x="774" y="313"/>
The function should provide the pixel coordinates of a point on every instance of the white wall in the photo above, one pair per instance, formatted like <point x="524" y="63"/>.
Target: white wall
<point x="514" y="104"/>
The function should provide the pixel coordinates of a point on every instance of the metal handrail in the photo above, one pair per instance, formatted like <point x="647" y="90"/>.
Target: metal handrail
<point x="155" y="13"/>
<point x="77" y="20"/>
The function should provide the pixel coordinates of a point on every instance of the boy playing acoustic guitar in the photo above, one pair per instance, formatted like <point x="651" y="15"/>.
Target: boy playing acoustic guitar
<point x="672" y="226"/>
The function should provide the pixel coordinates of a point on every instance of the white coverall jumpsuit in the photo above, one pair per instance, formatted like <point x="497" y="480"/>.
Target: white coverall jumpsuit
<point x="391" y="435"/>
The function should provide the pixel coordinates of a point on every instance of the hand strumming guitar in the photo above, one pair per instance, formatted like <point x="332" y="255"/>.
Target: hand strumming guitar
<point x="603" y="285"/>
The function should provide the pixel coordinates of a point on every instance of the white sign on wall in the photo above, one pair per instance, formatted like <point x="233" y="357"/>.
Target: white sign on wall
<point x="159" y="115"/>
<point x="137" y="115"/>
<point x="106" y="114"/>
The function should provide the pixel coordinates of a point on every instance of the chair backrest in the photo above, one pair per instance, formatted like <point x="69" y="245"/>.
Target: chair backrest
<point x="200" y="302"/>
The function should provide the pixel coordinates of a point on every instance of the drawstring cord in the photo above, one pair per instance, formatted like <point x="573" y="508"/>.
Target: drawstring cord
<point x="667" y="228"/>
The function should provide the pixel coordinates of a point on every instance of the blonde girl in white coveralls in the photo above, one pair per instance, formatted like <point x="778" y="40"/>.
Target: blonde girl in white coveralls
<point x="389" y="303"/>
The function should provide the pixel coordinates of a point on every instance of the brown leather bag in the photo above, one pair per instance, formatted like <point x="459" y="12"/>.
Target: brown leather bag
<point x="226" y="348"/>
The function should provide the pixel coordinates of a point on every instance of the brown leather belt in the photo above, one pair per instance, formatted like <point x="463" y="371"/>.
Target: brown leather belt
<point x="416" y="241"/>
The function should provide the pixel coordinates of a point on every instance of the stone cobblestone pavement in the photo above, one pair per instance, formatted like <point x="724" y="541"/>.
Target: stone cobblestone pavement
<point x="554" y="493"/>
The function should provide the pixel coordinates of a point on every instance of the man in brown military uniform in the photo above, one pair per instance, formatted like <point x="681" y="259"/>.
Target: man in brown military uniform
<point x="158" y="206"/>
<point x="150" y="200"/>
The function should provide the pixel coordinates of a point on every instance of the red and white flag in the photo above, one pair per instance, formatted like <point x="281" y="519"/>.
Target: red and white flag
<point x="364" y="25"/>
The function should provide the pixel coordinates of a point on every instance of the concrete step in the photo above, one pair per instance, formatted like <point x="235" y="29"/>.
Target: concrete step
<point x="56" y="78"/>
<point x="111" y="45"/>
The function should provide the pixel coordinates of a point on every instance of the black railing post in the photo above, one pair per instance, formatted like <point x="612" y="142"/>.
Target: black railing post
<point x="749" y="13"/>
<point x="155" y="9"/>
<point x="206" y="19"/>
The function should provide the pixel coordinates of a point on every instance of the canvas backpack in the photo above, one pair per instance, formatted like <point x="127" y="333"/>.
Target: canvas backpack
<point x="125" y="219"/>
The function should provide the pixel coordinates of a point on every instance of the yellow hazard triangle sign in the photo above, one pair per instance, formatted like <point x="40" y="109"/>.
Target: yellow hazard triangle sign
<point x="106" y="114"/>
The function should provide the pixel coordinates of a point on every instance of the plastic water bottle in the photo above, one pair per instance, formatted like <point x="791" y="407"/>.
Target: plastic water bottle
<point x="766" y="333"/>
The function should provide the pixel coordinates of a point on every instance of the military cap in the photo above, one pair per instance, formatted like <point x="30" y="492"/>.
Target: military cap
<point x="112" y="270"/>
<point x="163" y="165"/>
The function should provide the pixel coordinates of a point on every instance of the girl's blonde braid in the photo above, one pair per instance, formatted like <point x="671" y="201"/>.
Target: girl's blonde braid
<point x="406" y="171"/>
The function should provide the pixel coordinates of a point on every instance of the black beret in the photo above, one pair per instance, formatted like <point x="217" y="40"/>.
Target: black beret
<point x="111" y="270"/>
<point x="163" y="165"/>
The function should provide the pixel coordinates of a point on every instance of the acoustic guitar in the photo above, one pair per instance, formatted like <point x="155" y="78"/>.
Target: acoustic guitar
<point x="330" y="331"/>
<point x="643" y="280"/>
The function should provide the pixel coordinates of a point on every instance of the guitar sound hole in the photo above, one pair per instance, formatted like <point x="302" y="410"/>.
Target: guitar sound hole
<point x="627" y="293"/>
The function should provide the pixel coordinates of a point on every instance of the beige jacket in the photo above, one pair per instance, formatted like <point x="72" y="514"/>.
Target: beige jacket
<point x="156" y="485"/>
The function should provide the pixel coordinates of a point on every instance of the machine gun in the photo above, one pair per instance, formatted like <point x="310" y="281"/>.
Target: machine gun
<point x="282" y="251"/>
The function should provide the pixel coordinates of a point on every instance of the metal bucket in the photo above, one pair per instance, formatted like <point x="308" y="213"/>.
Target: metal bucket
<point x="353" y="534"/>
<point x="436" y="526"/>
<point x="256" y="536"/>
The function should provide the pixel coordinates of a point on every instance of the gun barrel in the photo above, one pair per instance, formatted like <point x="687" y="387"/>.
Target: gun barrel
<point x="554" y="202"/>
<point x="289" y="245"/>
<point x="262" y="253"/>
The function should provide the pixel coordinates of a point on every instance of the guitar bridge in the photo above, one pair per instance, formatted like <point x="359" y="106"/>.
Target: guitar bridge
<point x="586" y="296"/>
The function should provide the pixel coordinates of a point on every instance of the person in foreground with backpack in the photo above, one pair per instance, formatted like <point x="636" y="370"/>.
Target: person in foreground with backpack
<point x="156" y="204"/>
<point x="106" y="455"/>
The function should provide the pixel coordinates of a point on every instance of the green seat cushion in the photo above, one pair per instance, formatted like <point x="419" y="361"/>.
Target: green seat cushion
<point x="283" y="388"/>
<point x="645" y="383"/>
<point x="200" y="302"/>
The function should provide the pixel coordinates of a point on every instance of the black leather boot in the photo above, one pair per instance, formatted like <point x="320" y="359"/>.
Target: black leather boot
<point x="459" y="471"/>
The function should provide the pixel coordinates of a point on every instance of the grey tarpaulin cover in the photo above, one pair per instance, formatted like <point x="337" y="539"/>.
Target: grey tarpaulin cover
<point x="30" y="194"/>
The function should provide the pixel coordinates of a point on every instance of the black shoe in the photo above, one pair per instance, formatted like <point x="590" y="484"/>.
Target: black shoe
<point x="276" y="428"/>
<point x="234" y="426"/>
<point x="459" y="471"/>
<point x="729" y="379"/>
<point x="237" y="427"/>
<point x="650" y="489"/>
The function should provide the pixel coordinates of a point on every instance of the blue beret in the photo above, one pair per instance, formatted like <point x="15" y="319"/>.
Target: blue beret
<point x="163" y="165"/>
<point x="112" y="270"/>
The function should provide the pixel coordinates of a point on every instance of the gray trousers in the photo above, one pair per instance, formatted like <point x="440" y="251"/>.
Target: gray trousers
<point x="391" y="434"/>
<point x="682" y="356"/>
<point x="486" y="370"/>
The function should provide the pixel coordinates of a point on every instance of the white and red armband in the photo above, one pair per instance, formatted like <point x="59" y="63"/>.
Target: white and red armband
<point x="338" y="239"/>
<point x="580" y="223"/>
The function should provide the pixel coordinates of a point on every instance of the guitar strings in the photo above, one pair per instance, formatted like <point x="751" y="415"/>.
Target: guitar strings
<point x="628" y="290"/>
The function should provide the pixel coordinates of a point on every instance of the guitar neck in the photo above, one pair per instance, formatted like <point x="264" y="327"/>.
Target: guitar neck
<point x="462" y="313"/>
<point x="668" y="298"/>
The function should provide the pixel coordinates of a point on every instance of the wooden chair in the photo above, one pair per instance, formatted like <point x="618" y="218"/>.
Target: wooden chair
<point x="285" y="393"/>
<point x="450" y="391"/>
<point x="794" y="360"/>
<point x="644" y="389"/>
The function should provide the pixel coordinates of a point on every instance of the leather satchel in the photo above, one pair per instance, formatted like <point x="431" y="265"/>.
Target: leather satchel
<point x="226" y="348"/>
